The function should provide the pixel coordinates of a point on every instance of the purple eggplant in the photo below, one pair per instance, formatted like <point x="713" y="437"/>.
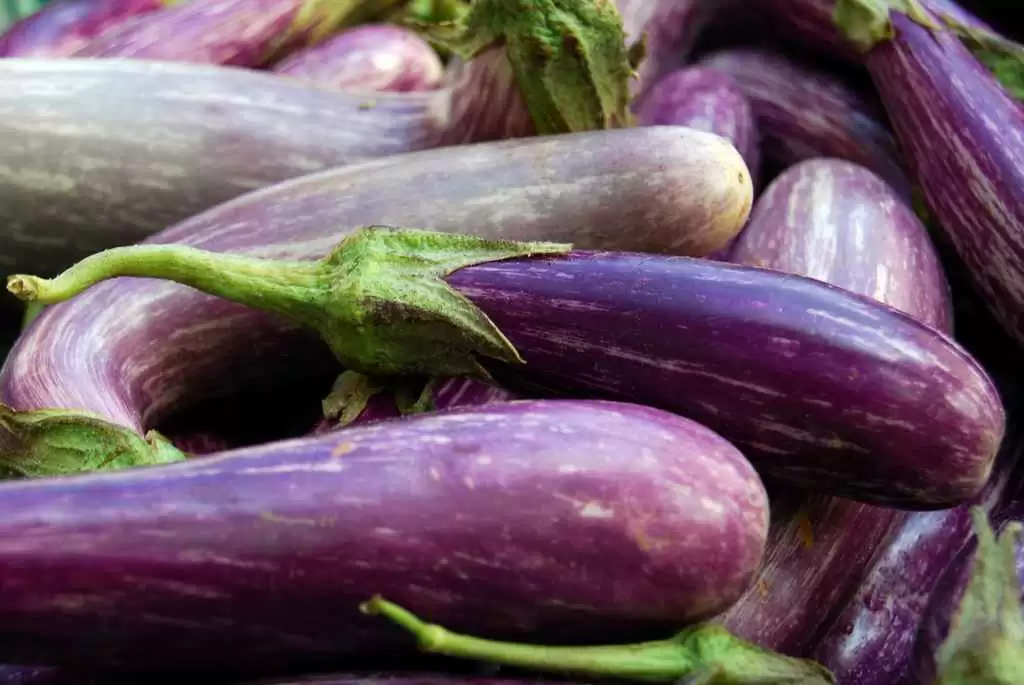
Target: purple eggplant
<point x="706" y="100"/>
<point x="584" y="188"/>
<point x="100" y="153"/>
<point x="803" y="112"/>
<point x="824" y="388"/>
<point x="956" y="127"/>
<point x="838" y="222"/>
<point x="377" y="57"/>
<point x="244" y="33"/>
<point x="64" y="26"/>
<point x="498" y="519"/>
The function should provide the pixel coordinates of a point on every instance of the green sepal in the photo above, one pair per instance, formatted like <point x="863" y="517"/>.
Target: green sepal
<point x="706" y="654"/>
<point x="569" y="57"/>
<point x="865" y="23"/>
<point x="985" y="645"/>
<point x="352" y="392"/>
<point x="32" y="312"/>
<point x="52" y="442"/>
<point x="1001" y="56"/>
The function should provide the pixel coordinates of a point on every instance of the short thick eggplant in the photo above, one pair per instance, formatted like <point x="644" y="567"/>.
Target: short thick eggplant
<point x="64" y="26"/>
<point x="243" y="33"/>
<point x="100" y="153"/>
<point x="500" y="519"/>
<point x="377" y="57"/>
<point x="804" y="112"/>
<point x="838" y="222"/>
<point x="706" y="100"/>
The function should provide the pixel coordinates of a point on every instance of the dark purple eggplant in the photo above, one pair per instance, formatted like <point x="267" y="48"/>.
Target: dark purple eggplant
<point x="60" y="28"/>
<point x="838" y="222"/>
<point x="100" y="153"/>
<point x="376" y="57"/>
<point x="957" y="130"/>
<point x="499" y="519"/>
<point x="706" y="100"/>
<point x="825" y="388"/>
<point x="803" y="112"/>
<point x="244" y="33"/>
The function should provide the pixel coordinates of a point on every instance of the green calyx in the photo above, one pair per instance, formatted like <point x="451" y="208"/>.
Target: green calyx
<point x="352" y="392"/>
<point x="985" y="645"/>
<point x="51" y="442"/>
<point x="379" y="299"/>
<point x="865" y="23"/>
<point x="705" y="654"/>
<point x="569" y="57"/>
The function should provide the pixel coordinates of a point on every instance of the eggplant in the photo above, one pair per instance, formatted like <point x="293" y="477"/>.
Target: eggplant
<point x="803" y="112"/>
<point x="838" y="222"/>
<point x="243" y="33"/>
<point x="60" y="28"/>
<point x="100" y="153"/>
<point x="955" y="125"/>
<point x="580" y="187"/>
<point x="824" y="388"/>
<point x="377" y="57"/>
<point x="706" y="100"/>
<point x="499" y="519"/>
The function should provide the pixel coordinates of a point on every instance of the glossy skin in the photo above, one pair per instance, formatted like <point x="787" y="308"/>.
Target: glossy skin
<point x="498" y="520"/>
<point x="377" y="57"/>
<point x="63" y="27"/>
<point x="823" y="388"/>
<point x="838" y="222"/>
<point x="134" y="351"/>
<point x="104" y="153"/>
<point x="958" y="127"/>
<point x="804" y="112"/>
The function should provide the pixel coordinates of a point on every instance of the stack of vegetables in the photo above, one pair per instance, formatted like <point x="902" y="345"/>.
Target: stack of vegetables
<point x="468" y="342"/>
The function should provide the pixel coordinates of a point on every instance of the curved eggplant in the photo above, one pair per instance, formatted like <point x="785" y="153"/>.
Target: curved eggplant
<point x="499" y="519"/>
<point x="100" y="153"/>
<point x="838" y="222"/>
<point x="62" y="27"/>
<point x="376" y="57"/>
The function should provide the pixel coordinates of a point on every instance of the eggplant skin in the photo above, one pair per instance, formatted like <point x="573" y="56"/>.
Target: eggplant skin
<point x="62" y="27"/>
<point x="820" y="387"/>
<point x="837" y="222"/>
<point x="135" y="351"/>
<point x="104" y="152"/>
<point x="805" y="112"/>
<point x="552" y="520"/>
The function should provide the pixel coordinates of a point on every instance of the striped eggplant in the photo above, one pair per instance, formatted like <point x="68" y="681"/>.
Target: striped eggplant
<point x="499" y="519"/>
<point x="244" y="33"/>
<point x="706" y="100"/>
<point x="377" y="57"/>
<point x="824" y="388"/>
<point x="838" y="222"/>
<point x="584" y="188"/>
<point x="100" y="153"/>
<point x="64" y="26"/>
<point x="803" y="112"/>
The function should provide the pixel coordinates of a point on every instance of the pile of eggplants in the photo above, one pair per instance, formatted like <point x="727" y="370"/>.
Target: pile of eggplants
<point x="426" y="342"/>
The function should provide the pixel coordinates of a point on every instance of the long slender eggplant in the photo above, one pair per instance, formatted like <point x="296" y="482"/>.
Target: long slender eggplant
<point x="803" y="112"/>
<point x="840" y="223"/>
<point x="957" y="129"/>
<point x="584" y="188"/>
<point x="376" y="57"/>
<point x="100" y="153"/>
<point x="64" y="26"/>
<point x="499" y="519"/>
<point x="823" y="387"/>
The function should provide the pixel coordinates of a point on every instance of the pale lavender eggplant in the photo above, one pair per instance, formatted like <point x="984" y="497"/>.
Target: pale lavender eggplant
<point x="62" y="27"/>
<point x="375" y="57"/>
<point x="840" y="223"/>
<point x="803" y="112"/>
<point x="958" y="130"/>
<point x="169" y="349"/>
<point x="499" y="520"/>
<point x="706" y="100"/>
<point x="244" y="33"/>
<point x="99" y="153"/>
